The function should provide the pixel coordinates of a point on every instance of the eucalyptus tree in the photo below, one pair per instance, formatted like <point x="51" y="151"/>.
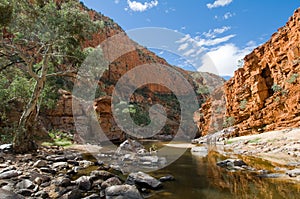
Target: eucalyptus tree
<point x="43" y="39"/>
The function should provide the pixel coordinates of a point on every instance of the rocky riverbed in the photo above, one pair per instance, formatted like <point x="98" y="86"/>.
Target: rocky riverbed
<point x="54" y="172"/>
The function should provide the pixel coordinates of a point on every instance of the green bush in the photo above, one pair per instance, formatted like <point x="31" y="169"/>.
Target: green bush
<point x="243" y="104"/>
<point x="276" y="88"/>
<point x="293" y="78"/>
<point x="240" y="63"/>
<point x="203" y="90"/>
<point x="228" y="122"/>
<point x="59" y="138"/>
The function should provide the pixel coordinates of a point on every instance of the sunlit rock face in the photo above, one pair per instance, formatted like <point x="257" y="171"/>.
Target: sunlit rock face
<point x="264" y="94"/>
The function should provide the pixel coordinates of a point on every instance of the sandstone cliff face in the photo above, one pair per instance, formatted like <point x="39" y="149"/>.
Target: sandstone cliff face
<point x="265" y="94"/>
<point x="61" y="117"/>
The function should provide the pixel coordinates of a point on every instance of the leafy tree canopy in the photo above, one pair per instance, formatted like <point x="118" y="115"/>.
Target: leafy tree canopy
<point x="41" y="42"/>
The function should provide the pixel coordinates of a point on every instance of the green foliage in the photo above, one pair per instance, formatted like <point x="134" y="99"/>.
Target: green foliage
<point x="138" y="113"/>
<point x="276" y="88"/>
<point x="7" y="134"/>
<point x="59" y="139"/>
<point x="93" y="66"/>
<point x="63" y="27"/>
<point x="240" y="63"/>
<point x="6" y="10"/>
<point x="40" y="26"/>
<point x="153" y="147"/>
<point x="14" y="85"/>
<point x="228" y="122"/>
<point x="254" y="141"/>
<point x="293" y="78"/>
<point x="101" y="24"/>
<point x="277" y="99"/>
<point x="45" y="39"/>
<point x="203" y="90"/>
<point x="243" y="104"/>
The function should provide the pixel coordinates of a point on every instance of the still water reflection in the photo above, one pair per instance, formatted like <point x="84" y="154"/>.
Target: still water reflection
<point x="198" y="177"/>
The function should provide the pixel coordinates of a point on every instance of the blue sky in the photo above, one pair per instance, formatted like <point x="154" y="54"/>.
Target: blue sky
<point x="224" y="31"/>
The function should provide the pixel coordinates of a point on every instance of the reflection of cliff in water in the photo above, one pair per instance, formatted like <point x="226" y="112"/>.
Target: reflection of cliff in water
<point x="243" y="184"/>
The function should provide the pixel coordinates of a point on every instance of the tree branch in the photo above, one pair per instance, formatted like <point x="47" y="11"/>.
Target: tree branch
<point x="70" y="73"/>
<point x="10" y="64"/>
<point x="30" y="70"/>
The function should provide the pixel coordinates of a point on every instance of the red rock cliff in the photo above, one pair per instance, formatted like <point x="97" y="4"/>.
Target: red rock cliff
<point x="62" y="118"/>
<point x="265" y="94"/>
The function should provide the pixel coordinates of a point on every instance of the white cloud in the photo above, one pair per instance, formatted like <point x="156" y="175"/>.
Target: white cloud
<point x="187" y="37"/>
<point x="183" y="46"/>
<point x="190" y="52"/>
<point x="141" y="7"/>
<point x="213" y="33"/>
<point x="228" y="15"/>
<point x="167" y="11"/>
<point x="210" y="52"/>
<point x="214" y="42"/>
<point x="161" y="53"/>
<point x="202" y="42"/>
<point x="219" y="3"/>
<point x="225" y="58"/>
<point x="117" y="1"/>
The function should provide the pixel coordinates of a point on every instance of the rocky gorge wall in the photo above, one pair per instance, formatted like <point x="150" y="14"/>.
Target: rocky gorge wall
<point x="264" y="94"/>
<point x="61" y="117"/>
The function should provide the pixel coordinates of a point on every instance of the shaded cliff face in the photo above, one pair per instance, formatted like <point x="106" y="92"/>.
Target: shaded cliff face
<point x="265" y="94"/>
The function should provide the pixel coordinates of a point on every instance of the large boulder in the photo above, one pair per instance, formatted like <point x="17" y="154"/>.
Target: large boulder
<point x="143" y="180"/>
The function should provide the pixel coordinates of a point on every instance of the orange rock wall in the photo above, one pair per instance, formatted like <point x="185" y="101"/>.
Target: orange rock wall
<point x="265" y="94"/>
<point x="61" y="117"/>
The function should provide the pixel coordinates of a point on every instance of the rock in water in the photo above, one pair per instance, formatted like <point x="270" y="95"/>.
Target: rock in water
<point x="167" y="178"/>
<point x="132" y="146"/>
<point x="122" y="192"/>
<point x="143" y="180"/>
<point x="231" y="163"/>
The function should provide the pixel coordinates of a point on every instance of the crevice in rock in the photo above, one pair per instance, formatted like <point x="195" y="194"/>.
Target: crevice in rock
<point x="266" y="74"/>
